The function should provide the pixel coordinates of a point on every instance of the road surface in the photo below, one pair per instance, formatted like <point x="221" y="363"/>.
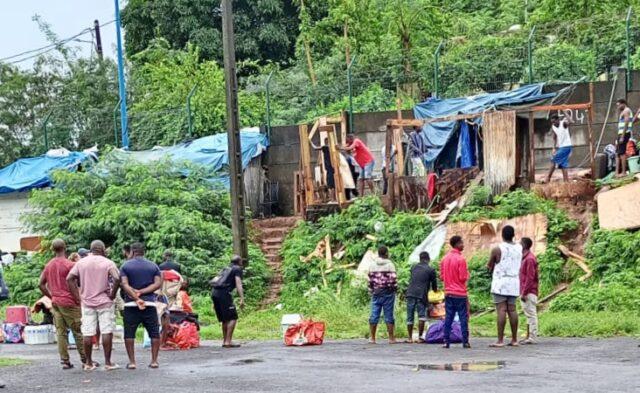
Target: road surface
<point x="554" y="365"/>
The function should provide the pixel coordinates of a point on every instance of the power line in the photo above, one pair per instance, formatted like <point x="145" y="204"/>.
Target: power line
<point x="45" y="49"/>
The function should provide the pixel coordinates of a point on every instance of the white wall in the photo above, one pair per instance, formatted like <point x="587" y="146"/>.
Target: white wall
<point x="12" y="206"/>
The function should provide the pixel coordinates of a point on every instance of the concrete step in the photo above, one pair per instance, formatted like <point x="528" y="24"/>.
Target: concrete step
<point x="273" y="240"/>
<point x="274" y="232"/>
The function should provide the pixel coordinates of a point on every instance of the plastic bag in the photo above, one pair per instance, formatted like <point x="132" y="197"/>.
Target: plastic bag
<point x="435" y="334"/>
<point x="305" y="333"/>
<point x="13" y="332"/>
<point x="186" y="336"/>
<point x="437" y="311"/>
<point x="436" y="296"/>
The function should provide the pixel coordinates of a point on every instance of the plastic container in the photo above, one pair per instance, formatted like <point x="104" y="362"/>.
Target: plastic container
<point x="17" y="314"/>
<point x="634" y="164"/>
<point x="39" y="335"/>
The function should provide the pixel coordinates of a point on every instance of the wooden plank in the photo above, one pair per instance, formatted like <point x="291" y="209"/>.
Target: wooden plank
<point x="305" y="163"/>
<point x="455" y="117"/>
<point x="499" y="150"/>
<point x="397" y="142"/>
<point x="620" y="208"/>
<point x="313" y="130"/>
<point x="335" y="162"/>
<point x="405" y="122"/>
<point x="532" y="150"/>
<point x="592" y="152"/>
<point x="343" y="129"/>
<point x="560" y="107"/>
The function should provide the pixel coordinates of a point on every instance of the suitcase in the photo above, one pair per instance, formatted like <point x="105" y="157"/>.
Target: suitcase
<point x="17" y="314"/>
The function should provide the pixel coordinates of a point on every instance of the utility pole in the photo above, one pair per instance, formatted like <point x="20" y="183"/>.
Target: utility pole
<point x="238" y="218"/>
<point x="121" y="83"/>
<point x="96" y="27"/>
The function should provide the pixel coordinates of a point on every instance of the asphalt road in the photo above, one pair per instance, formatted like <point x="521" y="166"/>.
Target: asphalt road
<point x="554" y="365"/>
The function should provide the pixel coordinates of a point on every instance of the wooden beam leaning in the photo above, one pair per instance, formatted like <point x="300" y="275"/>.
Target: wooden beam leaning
<point x="343" y="128"/>
<point x="305" y="163"/>
<point x="335" y="162"/>
<point x="592" y="152"/>
<point x="532" y="150"/>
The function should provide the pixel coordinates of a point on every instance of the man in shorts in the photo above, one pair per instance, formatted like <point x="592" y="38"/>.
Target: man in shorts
<point x="504" y="263"/>
<point x="365" y="161"/>
<point x="625" y="123"/>
<point x="223" y="284"/>
<point x="423" y="278"/>
<point x="140" y="279"/>
<point x="94" y="281"/>
<point x="562" y="145"/>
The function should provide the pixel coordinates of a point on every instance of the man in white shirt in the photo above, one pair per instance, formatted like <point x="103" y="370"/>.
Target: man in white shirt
<point x="562" y="145"/>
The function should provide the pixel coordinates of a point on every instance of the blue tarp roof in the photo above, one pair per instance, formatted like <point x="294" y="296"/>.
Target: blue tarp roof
<point x="209" y="151"/>
<point x="34" y="172"/>
<point x="438" y="134"/>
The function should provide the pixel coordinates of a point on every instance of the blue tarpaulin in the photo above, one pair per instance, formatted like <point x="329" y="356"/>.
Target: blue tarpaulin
<point x="209" y="151"/>
<point x="28" y="173"/>
<point x="437" y="135"/>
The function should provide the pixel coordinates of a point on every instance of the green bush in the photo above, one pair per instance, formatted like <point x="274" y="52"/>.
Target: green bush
<point x="166" y="205"/>
<point x="401" y="232"/>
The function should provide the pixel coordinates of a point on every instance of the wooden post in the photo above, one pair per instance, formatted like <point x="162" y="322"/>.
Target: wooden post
<point x="532" y="150"/>
<point x="399" y="108"/>
<point x="390" y="175"/>
<point x="397" y="142"/>
<point x="305" y="163"/>
<point x="592" y="153"/>
<point x="335" y="162"/>
<point x="343" y="128"/>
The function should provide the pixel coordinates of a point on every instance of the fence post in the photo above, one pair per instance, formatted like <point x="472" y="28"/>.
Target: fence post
<point x="436" y="71"/>
<point x="350" y="87"/>
<point x="628" y="43"/>
<point x="530" y="53"/>
<point x="44" y="129"/>
<point x="189" y="116"/>
<point x="267" y="89"/>
<point x="115" y="122"/>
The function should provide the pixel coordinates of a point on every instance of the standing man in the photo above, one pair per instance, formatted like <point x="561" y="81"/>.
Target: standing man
<point x="529" y="290"/>
<point x="65" y="307"/>
<point x="423" y="277"/>
<point x="223" y="285"/>
<point x="455" y="275"/>
<point x="504" y="262"/>
<point x="328" y="167"/>
<point x="383" y="284"/>
<point x="625" y="123"/>
<point x="168" y="263"/>
<point x="365" y="161"/>
<point x="562" y="145"/>
<point x="94" y="282"/>
<point x="417" y="149"/>
<point x="140" y="279"/>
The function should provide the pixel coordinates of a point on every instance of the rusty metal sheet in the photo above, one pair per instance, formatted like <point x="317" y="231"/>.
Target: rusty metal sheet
<point x="484" y="234"/>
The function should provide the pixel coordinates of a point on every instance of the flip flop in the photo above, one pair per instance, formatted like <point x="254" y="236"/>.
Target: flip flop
<point x="154" y="365"/>
<point x="67" y="366"/>
<point x="231" y="346"/>
<point x="131" y="366"/>
<point x="88" y="368"/>
<point x="112" y="367"/>
<point x="513" y="345"/>
<point x="496" y="345"/>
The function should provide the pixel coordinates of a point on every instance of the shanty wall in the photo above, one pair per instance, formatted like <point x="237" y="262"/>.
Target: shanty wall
<point x="284" y="154"/>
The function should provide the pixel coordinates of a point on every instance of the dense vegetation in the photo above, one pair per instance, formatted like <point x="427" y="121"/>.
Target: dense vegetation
<point x="164" y="205"/>
<point x="174" y="46"/>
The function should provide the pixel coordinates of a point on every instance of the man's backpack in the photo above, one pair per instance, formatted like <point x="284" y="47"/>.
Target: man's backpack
<point x="220" y="280"/>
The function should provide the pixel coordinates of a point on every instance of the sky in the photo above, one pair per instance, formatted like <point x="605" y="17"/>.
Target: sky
<point x="18" y="33"/>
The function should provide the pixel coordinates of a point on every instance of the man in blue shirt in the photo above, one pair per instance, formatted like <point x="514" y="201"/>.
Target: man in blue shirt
<point x="140" y="279"/>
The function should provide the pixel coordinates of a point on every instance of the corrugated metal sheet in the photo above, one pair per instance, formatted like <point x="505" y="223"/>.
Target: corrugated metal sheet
<point x="499" y="130"/>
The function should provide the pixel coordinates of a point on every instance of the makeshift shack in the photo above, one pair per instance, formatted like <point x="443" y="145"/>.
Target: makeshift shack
<point x="22" y="176"/>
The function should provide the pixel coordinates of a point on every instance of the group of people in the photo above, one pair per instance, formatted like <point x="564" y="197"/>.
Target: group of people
<point x="514" y="270"/>
<point x="563" y="145"/>
<point x="358" y="158"/>
<point x="85" y="288"/>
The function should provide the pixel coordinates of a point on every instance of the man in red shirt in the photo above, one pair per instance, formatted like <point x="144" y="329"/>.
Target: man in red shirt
<point x="529" y="290"/>
<point x="66" y="309"/>
<point x="455" y="274"/>
<point x="365" y="161"/>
